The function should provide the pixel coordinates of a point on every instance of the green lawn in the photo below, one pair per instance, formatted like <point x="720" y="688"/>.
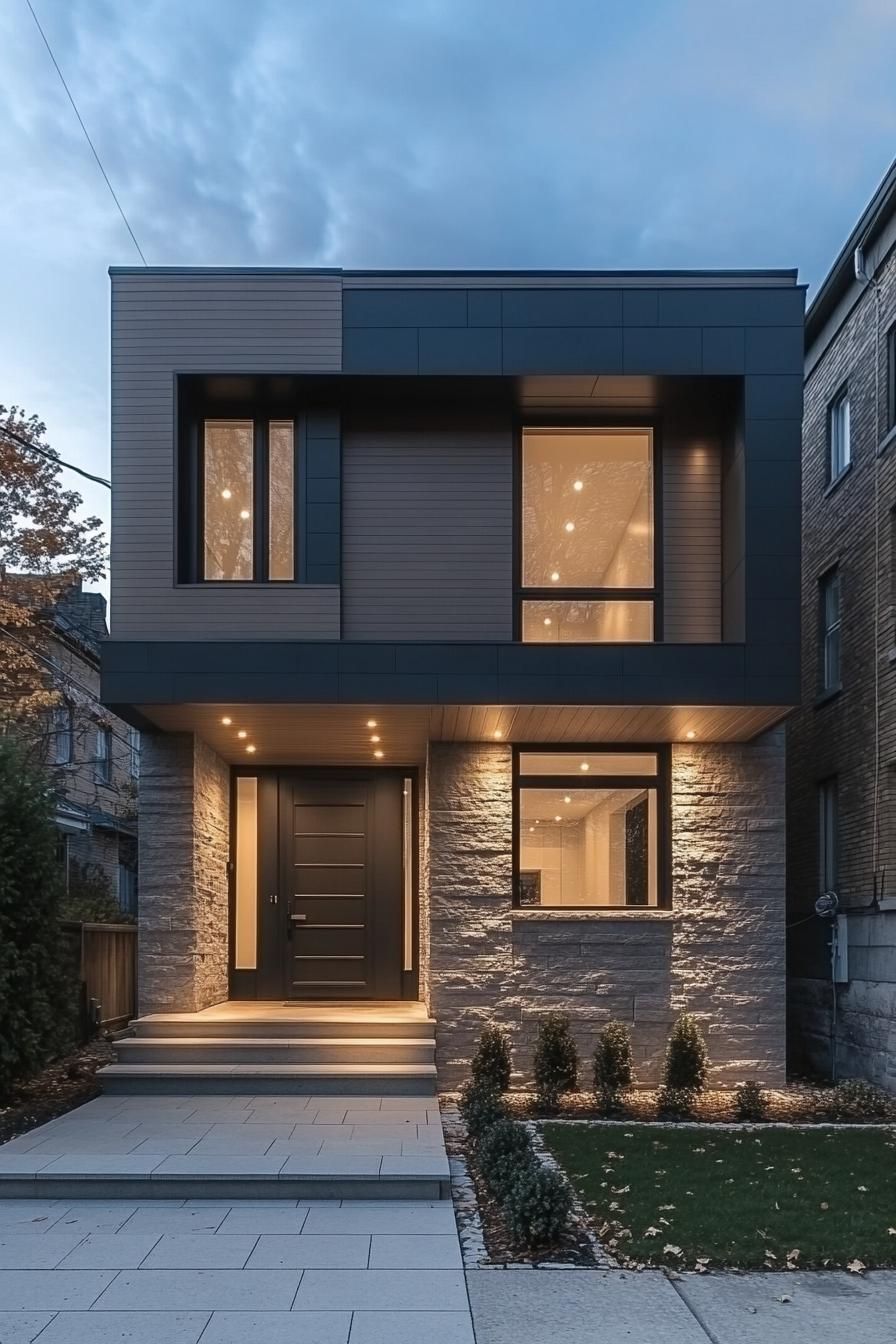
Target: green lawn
<point x="736" y="1197"/>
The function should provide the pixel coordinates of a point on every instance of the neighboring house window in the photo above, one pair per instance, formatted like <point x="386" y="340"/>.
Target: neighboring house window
<point x="127" y="889"/>
<point x="891" y="378"/>
<point x="134" y="752"/>
<point x="838" y="436"/>
<point x="588" y="536"/>
<point x="63" y="735"/>
<point x="590" y="828"/>
<point x="829" y="594"/>
<point x="103" y="764"/>
<point x="828" y="839"/>
<point x="247" y="478"/>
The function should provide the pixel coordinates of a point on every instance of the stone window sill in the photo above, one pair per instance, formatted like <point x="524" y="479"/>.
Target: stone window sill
<point x="887" y="441"/>
<point x="590" y="912"/>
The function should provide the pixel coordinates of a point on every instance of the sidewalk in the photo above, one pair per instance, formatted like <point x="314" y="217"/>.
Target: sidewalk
<point x="607" y="1307"/>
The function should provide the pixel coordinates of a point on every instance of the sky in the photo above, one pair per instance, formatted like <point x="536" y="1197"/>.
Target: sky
<point x="416" y="133"/>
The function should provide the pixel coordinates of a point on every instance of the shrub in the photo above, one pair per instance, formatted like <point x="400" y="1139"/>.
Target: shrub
<point x="491" y="1062"/>
<point x="481" y="1107"/>
<point x="504" y="1148"/>
<point x="537" y="1207"/>
<point x="38" y="996"/>
<point x="89" y="899"/>
<point x="675" y="1103"/>
<point x="750" y="1102"/>
<point x="612" y="1064"/>
<point x="687" y="1060"/>
<point x="556" y="1064"/>
<point x="855" y="1100"/>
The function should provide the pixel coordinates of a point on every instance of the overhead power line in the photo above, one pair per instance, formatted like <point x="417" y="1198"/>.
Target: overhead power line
<point x="99" y="163"/>
<point x="51" y="457"/>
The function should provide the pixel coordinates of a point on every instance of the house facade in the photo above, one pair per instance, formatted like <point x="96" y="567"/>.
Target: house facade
<point x="459" y="616"/>
<point x="842" y="742"/>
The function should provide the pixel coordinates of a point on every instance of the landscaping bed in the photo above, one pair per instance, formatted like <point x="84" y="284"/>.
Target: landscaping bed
<point x="752" y="1198"/>
<point x="61" y="1086"/>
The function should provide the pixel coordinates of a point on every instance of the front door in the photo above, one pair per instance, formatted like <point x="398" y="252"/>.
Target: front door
<point x="341" y="884"/>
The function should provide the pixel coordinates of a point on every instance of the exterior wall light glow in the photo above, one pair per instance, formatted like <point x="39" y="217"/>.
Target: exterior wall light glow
<point x="558" y="818"/>
<point x="244" y="513"/>
<point x="690" y="735"/>
<point x="375" y="737"/>
<point x="547" y="620"/>
<point x="567" y="798"/>
<point x="497" y="734"/>
<point x="584" y="766"/>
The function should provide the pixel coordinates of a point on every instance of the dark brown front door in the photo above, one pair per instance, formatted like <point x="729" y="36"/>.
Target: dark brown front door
<point x="340" y="856"/>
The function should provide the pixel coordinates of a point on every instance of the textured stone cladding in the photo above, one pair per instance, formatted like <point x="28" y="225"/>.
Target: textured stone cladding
<point x="718" y="953"/>
<point x="184" y="851"/>
<point x="851" y="525"/>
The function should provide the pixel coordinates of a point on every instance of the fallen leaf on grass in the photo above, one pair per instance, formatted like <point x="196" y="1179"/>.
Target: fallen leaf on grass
<point x="792" y="1257"/>
<point x="891" y="1231"/>
<point x="669" y="1249"/>
<point x="664" y="1208"/>
<point x="856" y="1267"/>
<point x="651" y="1232"/>
<point x="824" y="1205"/>
<point x="701" y="1265"/>
<point x="863" y="1188"/>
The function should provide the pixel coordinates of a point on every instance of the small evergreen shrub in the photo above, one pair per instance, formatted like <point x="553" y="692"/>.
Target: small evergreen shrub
<point x="687" y="1059"/>
<point x="556" y="1065"/>
<point x="750" y="1102"/>
<point x="537" y="1207"/>
<point x="613" y="1068"/>
<point x="675" y="1103"/>
<point x="504" y="1149"/>
<point x="491" y="1062"/>
<point x="855" y="1100"/>
<point x="480" y="1107"/>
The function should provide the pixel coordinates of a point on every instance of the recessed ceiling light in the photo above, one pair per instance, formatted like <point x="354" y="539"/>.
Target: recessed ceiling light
<point x="250" y="748"/>
<point x="690" y="735"/>
<point x="378" y="755"/>
<point x="371" y="723"/>
<point x="555" y="577"/>
<point x="531" y="828"/>
<point x="375" y="737"/>
<point x="226" y="494"/>
<point x="584" y="766"/>
<point x="242" y="733"/>
<point x="567" y="798"/>
<point x="244" y="513"/>
<point x="547" y="620"/>
<point x="558" y="818"/>
<point x="227" y="721"/>
<point x="577" y="485"/>
<point x="570" y="527"/>
<point x="497" y="734"/>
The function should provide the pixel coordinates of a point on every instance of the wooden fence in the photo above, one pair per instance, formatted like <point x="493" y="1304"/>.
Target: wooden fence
<point x="106" y="957"/>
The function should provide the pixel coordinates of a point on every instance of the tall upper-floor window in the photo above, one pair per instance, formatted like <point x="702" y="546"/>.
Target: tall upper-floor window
<point x="830" y="618"/>
<point x="828" y="835"/>
<point x="839" y="447"/>
<point x="588" y="536"/>
<point x="63" y="738"/>
<point x="103" y="759"/>
<point x="247" y="476"/>
<point x="134" y="752"/>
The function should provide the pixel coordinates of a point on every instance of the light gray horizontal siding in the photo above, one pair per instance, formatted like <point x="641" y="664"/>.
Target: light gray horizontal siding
<point x="692" y="539"/>
<point x="428" y="534"/>
<point x="189" y="323"/>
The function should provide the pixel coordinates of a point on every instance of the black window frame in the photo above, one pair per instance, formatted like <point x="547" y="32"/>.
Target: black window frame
<point x="522" y="593"/>
<point x="191" y="510"/>
<point x="826" y="581"/>
<point x="661" y="781"/>
<point x="840" y="397"/>
<point x="828" y="793"/>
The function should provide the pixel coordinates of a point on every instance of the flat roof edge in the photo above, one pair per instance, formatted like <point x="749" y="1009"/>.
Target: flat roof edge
<point x="710" y="278"/>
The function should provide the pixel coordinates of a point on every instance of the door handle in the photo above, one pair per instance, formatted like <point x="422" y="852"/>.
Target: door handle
<point x="298" y="919"/>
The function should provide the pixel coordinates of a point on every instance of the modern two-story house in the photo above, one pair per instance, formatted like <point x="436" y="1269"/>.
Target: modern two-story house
<point x="459" y="614"/>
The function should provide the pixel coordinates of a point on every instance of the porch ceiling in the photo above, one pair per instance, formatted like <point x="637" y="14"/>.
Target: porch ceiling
<point x="284" y="734"/>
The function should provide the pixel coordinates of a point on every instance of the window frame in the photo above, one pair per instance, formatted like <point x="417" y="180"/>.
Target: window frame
<point x="840" y="398"/>
<point x="102" y="761"/>
<point x="828" y="792"/>
<point x="66" y="734"/>
<point x="191" y="501"/>
<point x="831" y="575"/>
<point x="134" y="746"/>
<point x="521" y="592"/>
<point x="661" y="781"/>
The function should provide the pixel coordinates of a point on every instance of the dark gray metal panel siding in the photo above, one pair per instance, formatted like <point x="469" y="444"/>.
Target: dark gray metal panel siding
<point x="428" y="533"/>
<point x="692" y="543"/>
<point x="163" y="325"/>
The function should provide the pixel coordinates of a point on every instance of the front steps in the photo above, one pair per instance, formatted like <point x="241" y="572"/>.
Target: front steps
<point x="246" y="1049"/>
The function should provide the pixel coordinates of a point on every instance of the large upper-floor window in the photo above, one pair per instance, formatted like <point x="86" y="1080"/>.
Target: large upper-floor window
<point x="63" y="737"/>
<point x="591" y="828"/>
<point x="829" y="602"/>
<point x="247" y="482"/>
<point x="839" y="445"/>
<point x="588" y="536"/>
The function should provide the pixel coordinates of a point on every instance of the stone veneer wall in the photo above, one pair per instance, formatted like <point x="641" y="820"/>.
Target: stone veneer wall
<point x="718" y="953"/>
<point x="184" y="849"/>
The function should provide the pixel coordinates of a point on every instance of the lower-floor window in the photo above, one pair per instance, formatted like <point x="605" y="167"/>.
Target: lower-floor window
<point x="590" y="828"/>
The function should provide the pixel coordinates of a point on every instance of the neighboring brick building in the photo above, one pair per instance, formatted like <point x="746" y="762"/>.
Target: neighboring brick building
<point x="842" y="742"/>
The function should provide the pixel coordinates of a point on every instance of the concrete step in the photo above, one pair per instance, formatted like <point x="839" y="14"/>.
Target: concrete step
<point x="369" y="1079"/>
<point x="275" y="1050"/>
<point x="322" y="1023"/>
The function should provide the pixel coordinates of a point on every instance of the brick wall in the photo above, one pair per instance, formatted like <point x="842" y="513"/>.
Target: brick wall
<point x="836" y="737"/>
<point x="719" y="952"/>
<point x="183" y="850"/>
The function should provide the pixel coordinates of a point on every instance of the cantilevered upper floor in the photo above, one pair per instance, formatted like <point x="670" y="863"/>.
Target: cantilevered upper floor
<point x="588" y="475"/>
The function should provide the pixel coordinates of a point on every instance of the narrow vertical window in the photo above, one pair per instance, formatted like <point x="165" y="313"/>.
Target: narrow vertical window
<point x="830" y="630"/>
<point x="281" y="501"/>
<point x="839" y="447"/>
<point x="828" y="825"/>
<point x="246" y="922"/>
<point x="228" y="487"/>
<point x="134" y="752"/>
<point x="891" y="378"/>
<point x="63" y="744"/>
<point x="103" y="763"/>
